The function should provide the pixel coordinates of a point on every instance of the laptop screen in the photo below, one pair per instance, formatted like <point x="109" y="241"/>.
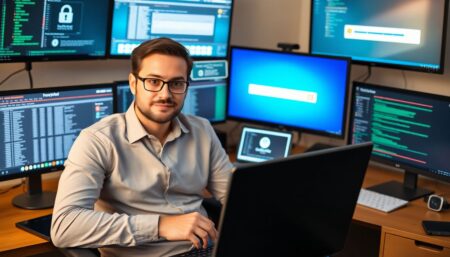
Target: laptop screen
<point x="257" y="144"/>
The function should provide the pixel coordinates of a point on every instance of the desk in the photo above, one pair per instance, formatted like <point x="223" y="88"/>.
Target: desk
<point x="401" y="230"/>
<point x="15" y="238"/>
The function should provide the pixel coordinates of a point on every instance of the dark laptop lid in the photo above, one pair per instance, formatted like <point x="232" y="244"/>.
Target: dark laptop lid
<point x="262" y="144"/>
<point x="301" y="205"/>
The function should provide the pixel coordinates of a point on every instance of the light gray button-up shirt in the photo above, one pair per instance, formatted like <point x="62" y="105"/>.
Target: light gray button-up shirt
<point x="118" y="180"/>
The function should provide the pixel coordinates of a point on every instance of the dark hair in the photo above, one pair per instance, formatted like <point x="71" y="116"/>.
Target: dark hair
<point x="162" y="45"/>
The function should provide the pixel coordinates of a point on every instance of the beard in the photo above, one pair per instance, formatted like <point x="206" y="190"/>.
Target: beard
<point x="161" y="119"/>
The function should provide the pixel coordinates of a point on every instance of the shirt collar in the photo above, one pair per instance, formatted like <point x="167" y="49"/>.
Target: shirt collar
<point x="135" y="130"/>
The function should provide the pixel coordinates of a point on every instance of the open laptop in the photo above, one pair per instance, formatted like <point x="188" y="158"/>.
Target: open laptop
<point x="261" y="144"/>
<point x="301" y="205"/>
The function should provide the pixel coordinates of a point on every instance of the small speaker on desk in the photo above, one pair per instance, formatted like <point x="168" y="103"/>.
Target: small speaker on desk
<point x="222" y="137"/>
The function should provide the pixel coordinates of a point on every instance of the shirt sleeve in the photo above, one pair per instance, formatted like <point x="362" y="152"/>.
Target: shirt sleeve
<point x="75" y="223"/>
<point x="221" y="168"/>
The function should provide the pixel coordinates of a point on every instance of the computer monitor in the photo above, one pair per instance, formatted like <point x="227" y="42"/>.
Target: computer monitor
<point x="53" y="30"/>
<point x="38" y="129"/>
<point x="206" y="99"/>
<point x="409" y="130"/>
<point x="202" y="26"/>
<point x="293" y="90"/>
<point x="400" y="34"/>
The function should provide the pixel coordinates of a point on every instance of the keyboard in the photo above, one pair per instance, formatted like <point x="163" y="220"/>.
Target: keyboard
<point x="379" y="201"/>
<point x="203" y="252"/>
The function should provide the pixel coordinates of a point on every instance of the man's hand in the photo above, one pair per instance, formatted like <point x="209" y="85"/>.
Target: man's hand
<point x="192" y="227"/>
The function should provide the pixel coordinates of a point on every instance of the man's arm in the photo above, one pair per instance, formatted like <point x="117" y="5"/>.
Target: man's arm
<point x="75" y="223"/>
<point x="220" y="170"/>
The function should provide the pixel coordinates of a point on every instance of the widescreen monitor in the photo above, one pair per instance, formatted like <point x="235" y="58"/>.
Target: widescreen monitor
<point x="402" y="34"/>
<point x="202" y="26"/>
<point x="287" y="89"/>
<point x="39" y="127"/>
<point x="409" y="130"/>
<point x="206" y="99"/>
<point x="53" y="30"/>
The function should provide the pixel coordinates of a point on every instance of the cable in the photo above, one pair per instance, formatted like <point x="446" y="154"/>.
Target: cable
<point x="11" y="75"/>
<point x="12" y="187"/>
<point x="369" y="73"/>
<point x="366" y="75"/>
<point x="405" y="79"/>
<point x="28" y="67"/>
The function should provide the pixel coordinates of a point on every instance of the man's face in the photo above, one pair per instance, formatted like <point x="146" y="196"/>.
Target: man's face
<point x="159" y="107"/>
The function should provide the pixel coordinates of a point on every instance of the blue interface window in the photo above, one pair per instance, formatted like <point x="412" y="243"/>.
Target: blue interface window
<point x="202" y="26"/>
<point x="301" y="91"/>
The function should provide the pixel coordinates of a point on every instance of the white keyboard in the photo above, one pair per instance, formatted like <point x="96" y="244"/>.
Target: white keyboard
<point x="379" y="201"/>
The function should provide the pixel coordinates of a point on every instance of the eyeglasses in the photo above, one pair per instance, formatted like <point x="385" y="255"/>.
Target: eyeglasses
<point x="156" y="85"/>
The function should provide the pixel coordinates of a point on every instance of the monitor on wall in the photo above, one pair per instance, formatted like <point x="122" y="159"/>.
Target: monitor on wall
<point x="53" y="30"/>
<point x="38" y="128"/>
<point x="409" y="130"/>
<point x="286" y="89"/>
<point x="401" y="34"/>
<point x="202" y="26"/>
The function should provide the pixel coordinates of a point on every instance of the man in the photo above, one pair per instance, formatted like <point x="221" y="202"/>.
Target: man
<point x="133" y="183"/>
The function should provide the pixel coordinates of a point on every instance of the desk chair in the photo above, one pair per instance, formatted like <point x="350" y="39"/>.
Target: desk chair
<point x="211" y="205"/>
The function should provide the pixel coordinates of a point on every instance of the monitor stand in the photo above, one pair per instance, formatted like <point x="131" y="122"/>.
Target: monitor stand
<point x="34" y="198"/>
<point x="407" y="190"/>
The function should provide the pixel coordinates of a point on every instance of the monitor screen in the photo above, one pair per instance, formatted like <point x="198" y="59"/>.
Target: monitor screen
<point x="407" y="128"/>
<point x="53" y="30"/>
<point x="202" y="26"/>
<point x="301" y="91"/>
<point x="401" y="34"/>
<point x="122" y="96"/>
<point x="39" y="127"/>
<point x="259" y="144"/>
<point x="206" y="99"/>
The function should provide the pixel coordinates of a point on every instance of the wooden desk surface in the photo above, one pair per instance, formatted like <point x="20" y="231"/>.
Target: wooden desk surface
<point x="407" y="220"/>
<point x="10" y="236"/>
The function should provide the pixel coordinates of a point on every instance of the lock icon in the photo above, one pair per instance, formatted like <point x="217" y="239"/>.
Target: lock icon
<point x="65" y="14"/>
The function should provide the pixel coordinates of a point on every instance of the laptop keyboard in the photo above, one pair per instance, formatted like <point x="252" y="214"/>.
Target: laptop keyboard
<point x="203" y="252"/>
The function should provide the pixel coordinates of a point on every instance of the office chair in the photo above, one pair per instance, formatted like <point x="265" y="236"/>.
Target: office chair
<point x="211" y="205"/>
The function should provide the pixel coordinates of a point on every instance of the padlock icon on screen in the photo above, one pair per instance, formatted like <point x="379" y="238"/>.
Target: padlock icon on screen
<point x="65" y="14"/>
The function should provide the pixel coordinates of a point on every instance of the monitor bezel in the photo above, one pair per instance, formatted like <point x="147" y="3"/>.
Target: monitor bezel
<point x="399" y="165"/>
<point x="46" y="90"/>
<point x="390" y="65"/>
<point x="69" y="57"/>
<point x="283" y="126"/>
<point x="194" y="58"/>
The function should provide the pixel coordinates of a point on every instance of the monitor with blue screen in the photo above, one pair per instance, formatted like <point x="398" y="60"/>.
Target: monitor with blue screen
<point x="409" y="130"/>
<point x="400" y="34"/>
<point x="39" y="127"/>
<point x="287" y="89"/>
<point x="206" y="99"/>
<point x="202" y="26"/>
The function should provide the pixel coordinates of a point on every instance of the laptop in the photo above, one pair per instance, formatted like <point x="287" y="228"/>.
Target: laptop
<point x="261" y="144"/>
<point x="301" y="205"/>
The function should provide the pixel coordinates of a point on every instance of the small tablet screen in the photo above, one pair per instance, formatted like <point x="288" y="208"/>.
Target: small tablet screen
<point x="257" y="145"/>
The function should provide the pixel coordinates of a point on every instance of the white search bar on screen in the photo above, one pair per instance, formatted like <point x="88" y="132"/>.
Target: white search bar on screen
<point x="283" y="93"/>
